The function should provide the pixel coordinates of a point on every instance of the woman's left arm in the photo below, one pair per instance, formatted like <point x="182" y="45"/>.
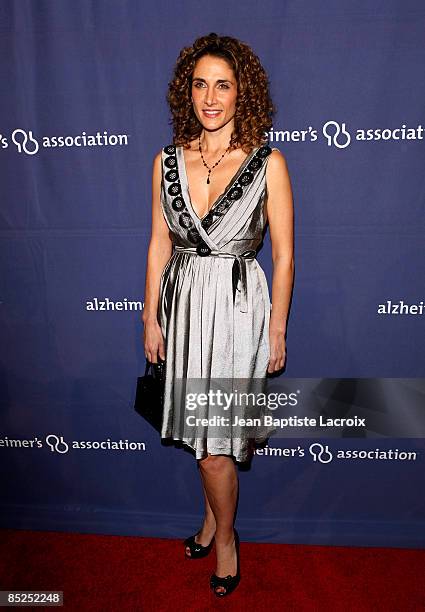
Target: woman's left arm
<point x="280" y="214"/>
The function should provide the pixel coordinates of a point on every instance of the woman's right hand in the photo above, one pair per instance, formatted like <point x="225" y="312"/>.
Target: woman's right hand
<point x="153" y="341"/>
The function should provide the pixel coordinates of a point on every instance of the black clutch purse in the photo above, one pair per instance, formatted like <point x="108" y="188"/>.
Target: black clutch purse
<point x="149" y="401"/>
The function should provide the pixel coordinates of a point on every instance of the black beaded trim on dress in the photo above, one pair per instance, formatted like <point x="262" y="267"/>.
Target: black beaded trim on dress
<point x="235" y="193"/>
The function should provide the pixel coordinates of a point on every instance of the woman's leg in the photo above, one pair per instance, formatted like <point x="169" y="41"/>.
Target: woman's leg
<point x="208" y="528"/>
<point x="220" y="478"/>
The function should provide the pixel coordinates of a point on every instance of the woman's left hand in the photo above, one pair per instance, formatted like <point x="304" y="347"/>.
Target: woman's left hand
<point x="277" y="350"/>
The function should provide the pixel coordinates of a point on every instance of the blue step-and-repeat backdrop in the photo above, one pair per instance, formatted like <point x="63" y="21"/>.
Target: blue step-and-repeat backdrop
<point x="83" y="114"/>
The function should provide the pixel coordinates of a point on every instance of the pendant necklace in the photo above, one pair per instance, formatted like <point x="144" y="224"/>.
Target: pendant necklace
<point x="203" y="160"/>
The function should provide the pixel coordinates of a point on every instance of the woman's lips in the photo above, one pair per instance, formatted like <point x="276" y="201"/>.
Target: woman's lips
<point x="211" y="114"/>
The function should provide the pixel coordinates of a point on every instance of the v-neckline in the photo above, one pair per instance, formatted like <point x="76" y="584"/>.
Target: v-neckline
<point x="229" y="184"/>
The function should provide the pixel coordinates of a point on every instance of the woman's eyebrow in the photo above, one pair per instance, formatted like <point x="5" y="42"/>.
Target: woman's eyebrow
<point x="218" y="80"/>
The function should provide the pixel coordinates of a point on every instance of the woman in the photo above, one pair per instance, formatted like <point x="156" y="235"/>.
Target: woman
<point x="207" y="306"/>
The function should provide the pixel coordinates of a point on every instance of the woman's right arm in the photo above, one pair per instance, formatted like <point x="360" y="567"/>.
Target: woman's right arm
<point x="159" y="252"/>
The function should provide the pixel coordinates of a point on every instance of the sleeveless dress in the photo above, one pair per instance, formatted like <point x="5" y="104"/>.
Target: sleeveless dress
<point x="214" y="304"/>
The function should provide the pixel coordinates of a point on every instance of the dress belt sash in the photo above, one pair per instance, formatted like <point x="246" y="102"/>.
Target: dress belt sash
<point x="241" y="259"/>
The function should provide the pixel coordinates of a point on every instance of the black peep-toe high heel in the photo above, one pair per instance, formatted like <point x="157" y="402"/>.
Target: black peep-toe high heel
<point x="229" y="582"/>
<point x="197" y="551"/>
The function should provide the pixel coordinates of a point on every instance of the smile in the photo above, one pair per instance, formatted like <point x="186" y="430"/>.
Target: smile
<point x="211" y="114"/>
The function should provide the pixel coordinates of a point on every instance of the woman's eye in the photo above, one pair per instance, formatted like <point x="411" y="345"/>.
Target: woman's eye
<point x="222" y="85"/>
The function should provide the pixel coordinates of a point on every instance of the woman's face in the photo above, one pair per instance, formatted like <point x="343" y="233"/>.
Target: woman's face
<point x="214" y="88"/>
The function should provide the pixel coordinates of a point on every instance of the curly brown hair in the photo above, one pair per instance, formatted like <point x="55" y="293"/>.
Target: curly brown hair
<point x="254" y="107"/>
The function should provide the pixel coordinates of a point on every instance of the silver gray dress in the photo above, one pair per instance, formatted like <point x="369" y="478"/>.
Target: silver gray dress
<point x="214" y="305"/>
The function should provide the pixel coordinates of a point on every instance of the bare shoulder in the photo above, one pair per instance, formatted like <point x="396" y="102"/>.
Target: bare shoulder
<point x="157" y="158"/>
<point x="157" y="170"/>
<point x="279" y="190"/>
<point x="157" y="163"/>
<point x="276" y="163"/>
<point x="277" y="174"/>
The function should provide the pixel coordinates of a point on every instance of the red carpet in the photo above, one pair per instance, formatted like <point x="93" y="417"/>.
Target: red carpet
<point x="98" y="572"/>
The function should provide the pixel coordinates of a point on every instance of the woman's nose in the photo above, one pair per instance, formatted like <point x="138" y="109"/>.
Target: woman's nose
<point x="210" y="96"/>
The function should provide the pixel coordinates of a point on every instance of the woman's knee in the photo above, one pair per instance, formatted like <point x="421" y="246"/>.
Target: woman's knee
<point x="212" y="463"/>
